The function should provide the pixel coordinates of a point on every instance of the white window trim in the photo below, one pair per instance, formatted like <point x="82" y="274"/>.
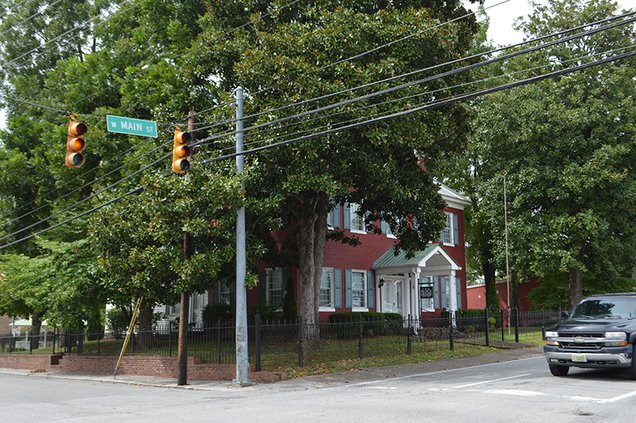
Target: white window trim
<point x="364" y="291"/>
<point x="330" y="218"/>
<point x="353" y="213"/>
<point x="268" y="283"/>
<point x="449" y="217"/>
<point x="389" y="234"/>
<point x="331" y="290"/>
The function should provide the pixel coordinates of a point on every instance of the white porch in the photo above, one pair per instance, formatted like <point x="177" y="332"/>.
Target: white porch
<point x="423" y="283"/>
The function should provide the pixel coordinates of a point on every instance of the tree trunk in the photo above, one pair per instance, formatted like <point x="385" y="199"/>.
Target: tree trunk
<point x="312" y="224"/>
<point x="145" y="326"/>
<point x="36" y="327"/>
<point x="492" y="300"/>
<point x="576" y="286"/>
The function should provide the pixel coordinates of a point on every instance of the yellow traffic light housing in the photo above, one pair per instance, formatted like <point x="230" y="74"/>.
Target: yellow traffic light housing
<point x="75" y="144"/>
<point x="181" y="151"/>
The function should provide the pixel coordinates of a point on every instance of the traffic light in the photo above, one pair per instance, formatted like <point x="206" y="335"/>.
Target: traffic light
<point x="75" y="144"/>
<point x="181" y="151"/>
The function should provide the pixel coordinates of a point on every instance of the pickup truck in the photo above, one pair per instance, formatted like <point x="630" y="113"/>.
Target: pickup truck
<point x="599" y="333"/>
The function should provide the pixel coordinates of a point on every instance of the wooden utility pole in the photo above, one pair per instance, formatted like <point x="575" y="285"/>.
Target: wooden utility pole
<point x="184" y="316"/>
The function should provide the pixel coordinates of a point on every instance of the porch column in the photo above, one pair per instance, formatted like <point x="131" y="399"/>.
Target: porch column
<point x="452" y="301"/>
<point x="418" y="300"/>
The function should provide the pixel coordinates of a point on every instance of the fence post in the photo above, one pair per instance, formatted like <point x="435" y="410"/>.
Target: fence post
<point x="409" y="338"/>
<point x="98" y="346"/>
<point x="169" y="339"/>
<point x="487" y="325"/>
<point x="54" y="337"/>
<point x="450" y="333"/>
<point x="516" y="325"/>
<point x="257" y="341"/>
<point x="219" y="344"/>
<point x="502" y="324"/>
<point x="132" y="339"/>
<point x="301" y="352"/>
<point x="360" y="338"/>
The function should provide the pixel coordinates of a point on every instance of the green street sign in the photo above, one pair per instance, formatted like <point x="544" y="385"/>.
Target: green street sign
<point x="131" y="126"/>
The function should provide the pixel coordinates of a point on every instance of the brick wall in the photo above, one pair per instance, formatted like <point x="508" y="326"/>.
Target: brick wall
<point x="5" y="322"/>
<point x="165" y="367"/>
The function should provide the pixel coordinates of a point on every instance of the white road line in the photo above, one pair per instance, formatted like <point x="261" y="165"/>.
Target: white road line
<point x="618" y="398"/>
<point x="390" y="379"/>
<point x="483" y="382"/>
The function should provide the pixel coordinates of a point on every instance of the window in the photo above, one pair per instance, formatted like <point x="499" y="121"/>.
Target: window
<point x="357" y="221"/>
<point x="446" y="236"/>
<point x="427" y="302"/>
<point x="225" y="291"/>
<point x="275" y="286"/>
<point x="358" y="289"/>
<point x="327" y="288"/>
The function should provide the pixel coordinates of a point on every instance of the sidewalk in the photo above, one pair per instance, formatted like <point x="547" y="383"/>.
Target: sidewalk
<point x="356" y="376"/>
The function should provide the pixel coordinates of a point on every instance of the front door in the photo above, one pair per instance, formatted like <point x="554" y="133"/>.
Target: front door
<point x="393" y="297"/>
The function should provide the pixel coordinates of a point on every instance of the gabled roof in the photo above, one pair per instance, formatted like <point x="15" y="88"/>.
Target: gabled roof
<point x="390" y="260"/>
<point x="453" y="198"/>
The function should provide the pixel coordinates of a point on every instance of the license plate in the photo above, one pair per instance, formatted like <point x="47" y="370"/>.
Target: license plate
<point x="579" y="358"/>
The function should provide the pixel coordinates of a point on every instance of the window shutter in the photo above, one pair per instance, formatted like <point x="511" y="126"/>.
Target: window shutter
<point x="286" y="274"/>
<point x="337" y="288"/>
<point x="435" y="292"/>
<point x="444" y="287"/>
<point x="336" y="216"/>
<point x="347" y="217"/>
<point x="370" y="289"/>
<point x="384" y="227"/>
<point x="262" y="286"/>
<point x="348" y="299"/>
<point x="458" y="287"/>
<point x="455" y="228"/>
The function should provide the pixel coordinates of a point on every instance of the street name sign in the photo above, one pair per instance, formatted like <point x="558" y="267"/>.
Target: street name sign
<point x="131" y="126"/>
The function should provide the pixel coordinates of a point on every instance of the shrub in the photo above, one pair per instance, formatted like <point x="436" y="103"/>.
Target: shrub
<point x="373" y="323"/>
<point x="214" y="312"/>
<point x="118" y="322"/>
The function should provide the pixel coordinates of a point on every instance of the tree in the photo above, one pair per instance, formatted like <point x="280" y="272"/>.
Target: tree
<point x="292" y="54"/>
<point x="566" y="147"/>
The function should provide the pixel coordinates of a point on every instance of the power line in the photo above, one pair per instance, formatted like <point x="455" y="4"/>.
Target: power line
<point x="432" y="105"/>
<point x="437" y="66"/>
<point x="71" y="192"/>
<point x="30" y="17"/>
<point x="420" y="81"/>
<point x="77" y="203"/>
<point x="409" y="97"/>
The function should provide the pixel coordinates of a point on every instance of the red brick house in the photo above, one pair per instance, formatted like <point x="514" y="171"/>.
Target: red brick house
<point x="370" y="277"/>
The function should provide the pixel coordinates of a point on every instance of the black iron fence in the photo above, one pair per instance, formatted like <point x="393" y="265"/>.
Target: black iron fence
<point x="277" y="345"/>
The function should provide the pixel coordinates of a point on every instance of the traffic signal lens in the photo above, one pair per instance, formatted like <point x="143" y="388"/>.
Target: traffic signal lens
<point x="75" y="160"/>
<point x="181" y="166"/>
<point x="76" y="144"/>
<point x="183" y="151"/>
<point x="76" y="129"/>
<point x="182" y="137"/>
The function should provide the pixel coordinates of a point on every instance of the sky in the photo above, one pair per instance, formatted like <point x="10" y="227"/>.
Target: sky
<point x="502" y="17"/>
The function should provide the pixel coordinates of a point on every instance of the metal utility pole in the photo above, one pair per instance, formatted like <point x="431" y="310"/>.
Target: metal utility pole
<point x="184" y="315"/>
<point x="507" y="262"/>
<point x="242" y="364"/>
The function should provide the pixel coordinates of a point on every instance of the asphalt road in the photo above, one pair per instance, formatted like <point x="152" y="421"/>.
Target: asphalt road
<point x="522" y="390"/>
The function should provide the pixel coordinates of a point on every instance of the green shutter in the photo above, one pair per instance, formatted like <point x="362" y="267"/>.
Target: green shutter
<point x="286" y="274"/>
<point x="370" y="289"/>
<point x="336" y="216"/>
<point x="455" y="228"/>
<point x="348" y="296"/>
<point x="436" y="292"/>
<point x="347" y="216"/>
<point x="444" y="287"/>
<point x="337" y="288"/>
<point x="458" y="287"/>
<point x="262" y="286"/>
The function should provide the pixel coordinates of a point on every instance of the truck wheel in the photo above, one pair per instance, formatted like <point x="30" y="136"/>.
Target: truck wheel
<point x="631" y="372"/>
<point x="557" y="370"/>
